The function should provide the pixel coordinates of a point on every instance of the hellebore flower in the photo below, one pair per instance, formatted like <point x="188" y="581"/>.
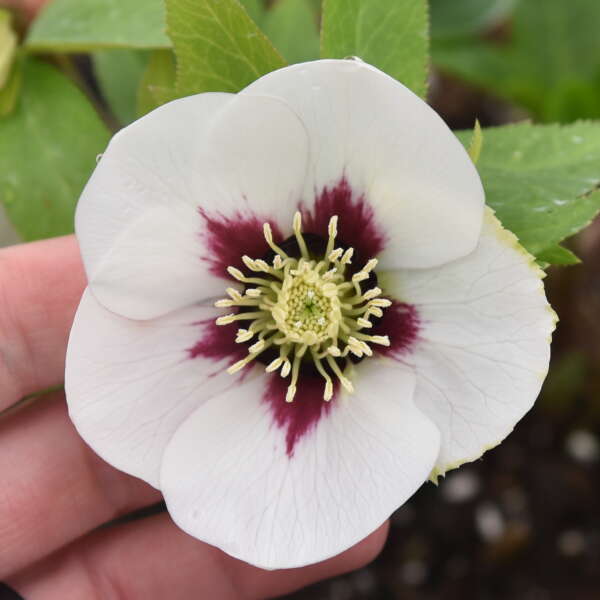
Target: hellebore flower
<point x="298" y="310"/>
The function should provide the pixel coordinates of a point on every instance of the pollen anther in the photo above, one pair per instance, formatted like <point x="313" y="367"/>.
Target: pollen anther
<point x="306" y="303"/>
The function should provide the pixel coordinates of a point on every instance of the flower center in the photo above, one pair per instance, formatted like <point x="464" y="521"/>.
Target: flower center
<point x="310" y="309"/>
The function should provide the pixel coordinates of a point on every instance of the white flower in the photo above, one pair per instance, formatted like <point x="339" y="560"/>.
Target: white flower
<point x="357" y="374"/>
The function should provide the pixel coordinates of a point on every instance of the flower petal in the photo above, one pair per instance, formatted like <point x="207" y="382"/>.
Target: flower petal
<point x="144" y="219"/>
<point x="130" y="384"/>
<point x="392" y="149"/>
<point x="229" y="480"/>
<point x="483" y="345"/>
<point x="140" y="197"/>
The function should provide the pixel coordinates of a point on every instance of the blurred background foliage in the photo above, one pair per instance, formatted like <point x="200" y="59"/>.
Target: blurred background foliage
<point x="541" y="55"/>
<point x="523" y="523"/>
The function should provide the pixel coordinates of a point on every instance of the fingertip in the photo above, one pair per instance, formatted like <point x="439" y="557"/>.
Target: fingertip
<point x="40" y="285"/>
<point x="366" y="551"/>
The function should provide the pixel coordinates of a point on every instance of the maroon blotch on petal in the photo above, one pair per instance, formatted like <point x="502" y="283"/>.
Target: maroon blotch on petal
<point x="217" y="342"/>
<point x="228" y="238"/>
<point x="301" y="416"/>
<point x="400" y="322"/>
<point x="356" y="223"/>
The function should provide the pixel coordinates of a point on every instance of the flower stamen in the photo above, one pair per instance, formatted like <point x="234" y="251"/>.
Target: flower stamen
<point x="306" y="309"/>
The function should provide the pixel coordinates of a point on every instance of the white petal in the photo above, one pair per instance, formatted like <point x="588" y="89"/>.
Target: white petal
<point x="228" y="480"/>
<point x="393" y="148"/>
<point x="145" y="176"/>
<point x="129" y="384"/>
<point x="484" y="342"/>
<point x="142" y="220"/>
<point x="155" y="266"/>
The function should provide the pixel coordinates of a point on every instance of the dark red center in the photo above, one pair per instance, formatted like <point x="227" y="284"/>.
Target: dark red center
<point x="228" y="238"/>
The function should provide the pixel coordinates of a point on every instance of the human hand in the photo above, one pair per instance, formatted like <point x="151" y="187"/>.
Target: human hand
<point x="55" y="493"/>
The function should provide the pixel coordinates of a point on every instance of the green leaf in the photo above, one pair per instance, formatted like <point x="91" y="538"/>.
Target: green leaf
<point x="478" y="63"/>
<point x="255" y="9"/>
<point x="158" y="82"/>
<point x="8" y="46"/>
<point x="558" y="255"/>
<point x="88" y="25"/>
<point x="464" y="17"/>
<point x="10" y="92"/>
<point x="119" y="73"/>
<point x="542" y="181"/>
<point x="48" y="148"/>
<point x="217" y="46"/>
<point x="291" y="26"/>
<point x="549" y="65"/>
<point x="389" y="34"/>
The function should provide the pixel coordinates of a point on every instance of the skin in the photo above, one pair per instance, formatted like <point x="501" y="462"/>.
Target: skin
<point x="55" y="492"/>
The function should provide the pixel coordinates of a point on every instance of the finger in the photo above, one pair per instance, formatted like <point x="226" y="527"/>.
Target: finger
<point x="40" y="286"/>
<point x="152" y="559"/>
<point x="53" y="488"/>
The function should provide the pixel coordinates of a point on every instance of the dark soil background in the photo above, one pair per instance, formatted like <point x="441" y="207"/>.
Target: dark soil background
<point x="522" y="523"/>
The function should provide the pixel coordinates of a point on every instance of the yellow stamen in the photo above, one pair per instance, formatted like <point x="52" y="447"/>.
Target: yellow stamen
<point x="308" y="308"/>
